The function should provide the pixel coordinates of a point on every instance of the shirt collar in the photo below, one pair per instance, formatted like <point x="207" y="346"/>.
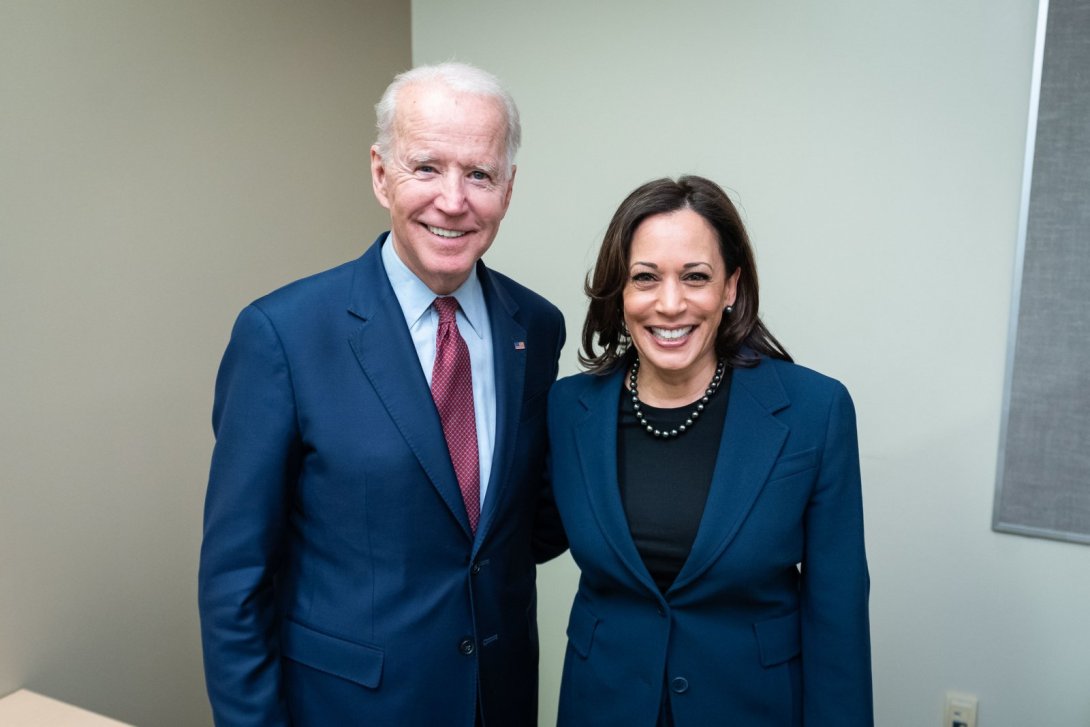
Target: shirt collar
<point x="416" y="298"/>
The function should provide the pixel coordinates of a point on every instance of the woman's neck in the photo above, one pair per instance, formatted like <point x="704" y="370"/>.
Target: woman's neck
<point x="668" y="389"/>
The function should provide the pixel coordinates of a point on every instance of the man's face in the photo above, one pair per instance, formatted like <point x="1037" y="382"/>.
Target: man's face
<point x="445" y="181"/>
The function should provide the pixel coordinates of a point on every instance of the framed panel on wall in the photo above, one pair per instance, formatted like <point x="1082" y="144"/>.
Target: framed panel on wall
<point x="1043" y="484"/>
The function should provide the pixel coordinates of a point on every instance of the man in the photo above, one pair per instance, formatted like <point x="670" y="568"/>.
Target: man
<point x="376" y="485"/>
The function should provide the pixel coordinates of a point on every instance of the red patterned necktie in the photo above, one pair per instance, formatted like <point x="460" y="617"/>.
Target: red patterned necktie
<point x="452" y="389"/>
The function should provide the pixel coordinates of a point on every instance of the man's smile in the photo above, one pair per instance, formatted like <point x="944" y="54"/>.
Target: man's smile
<point x="442" y="232"/>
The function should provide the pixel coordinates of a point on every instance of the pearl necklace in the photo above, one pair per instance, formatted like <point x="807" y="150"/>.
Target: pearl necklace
<point x="713" y="387"/>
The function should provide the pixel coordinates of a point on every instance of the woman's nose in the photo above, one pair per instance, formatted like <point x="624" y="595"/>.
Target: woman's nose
<point x="671" y="298"/>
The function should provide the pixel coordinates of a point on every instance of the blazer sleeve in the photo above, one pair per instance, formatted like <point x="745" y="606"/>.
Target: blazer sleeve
<point x="254" y="464"/>
<point x="549" y="539"/>
<point x="836" y="584"/>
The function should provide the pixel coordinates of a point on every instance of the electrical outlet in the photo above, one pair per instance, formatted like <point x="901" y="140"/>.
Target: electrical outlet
<point x="960" y="710"/>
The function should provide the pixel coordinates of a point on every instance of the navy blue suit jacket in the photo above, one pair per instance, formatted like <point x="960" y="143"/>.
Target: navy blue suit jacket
<point x="339" y="580"/>
<point x="741" y="637"/>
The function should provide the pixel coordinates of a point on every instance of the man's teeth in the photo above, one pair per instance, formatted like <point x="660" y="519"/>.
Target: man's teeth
<point x="444" y="233"/>
<point x="671" y="334"/>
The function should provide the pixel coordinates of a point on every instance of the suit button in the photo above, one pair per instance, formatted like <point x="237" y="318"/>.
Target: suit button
<point x="475" y="569"/>
<point x="467" y="647"/>
<point x="679" y="685"/>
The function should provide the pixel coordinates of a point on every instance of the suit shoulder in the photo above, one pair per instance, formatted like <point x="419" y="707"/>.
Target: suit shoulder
<point x="303" y="293"/>
<point x="525" y="297"/>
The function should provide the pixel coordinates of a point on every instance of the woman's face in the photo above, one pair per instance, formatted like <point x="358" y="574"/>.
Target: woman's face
<point x="675" y="294"/>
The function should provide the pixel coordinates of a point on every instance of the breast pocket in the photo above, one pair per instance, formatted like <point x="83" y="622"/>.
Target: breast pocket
<point x="794" y="463"/>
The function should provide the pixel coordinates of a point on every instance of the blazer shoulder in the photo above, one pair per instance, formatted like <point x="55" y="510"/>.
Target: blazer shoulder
<point x="802" y="383"/>
<point x="570" y="389"/>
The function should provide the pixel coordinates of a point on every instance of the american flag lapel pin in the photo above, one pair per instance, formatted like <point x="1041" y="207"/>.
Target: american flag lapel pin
<point x="520" y="345"/>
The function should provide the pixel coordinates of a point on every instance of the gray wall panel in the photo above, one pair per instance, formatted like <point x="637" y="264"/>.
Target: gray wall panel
<point x="1044" y="467"/>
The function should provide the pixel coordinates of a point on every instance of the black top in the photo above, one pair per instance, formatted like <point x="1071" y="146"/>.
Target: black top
<point x="665" y="482"/>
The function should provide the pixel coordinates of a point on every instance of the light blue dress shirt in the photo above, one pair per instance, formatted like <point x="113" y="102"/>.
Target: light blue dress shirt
<point x="416" y="301"/>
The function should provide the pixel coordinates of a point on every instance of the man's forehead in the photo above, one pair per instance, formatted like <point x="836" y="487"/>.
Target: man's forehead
<point x="436" y="124"/>
<point x="437" y="99"/>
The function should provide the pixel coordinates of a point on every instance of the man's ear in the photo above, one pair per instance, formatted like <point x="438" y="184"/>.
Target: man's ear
<point x="378" y="177"/>
<point x="510" y="188"/>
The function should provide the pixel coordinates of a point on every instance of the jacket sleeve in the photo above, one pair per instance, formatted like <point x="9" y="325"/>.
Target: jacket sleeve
<point x="549" y="539"/>
<point x="254" y="465"/>
<point x="835" y="584"/>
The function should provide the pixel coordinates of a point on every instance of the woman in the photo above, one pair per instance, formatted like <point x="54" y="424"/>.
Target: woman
<point x="710" y="491"/>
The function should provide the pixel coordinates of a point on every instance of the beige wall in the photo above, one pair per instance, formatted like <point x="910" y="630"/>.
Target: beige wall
<point x="876" y="150"/>
<point x="161" y="164"/>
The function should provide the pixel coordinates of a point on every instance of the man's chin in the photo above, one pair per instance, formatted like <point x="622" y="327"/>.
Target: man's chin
<point x="447" y="275"/>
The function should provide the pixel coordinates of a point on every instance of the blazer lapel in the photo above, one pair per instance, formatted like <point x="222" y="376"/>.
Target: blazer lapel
<point x="509" y="364"/>
<point x="596" y="443"/>
<point x="752" y="440"/>
<point x="386" y="354"/>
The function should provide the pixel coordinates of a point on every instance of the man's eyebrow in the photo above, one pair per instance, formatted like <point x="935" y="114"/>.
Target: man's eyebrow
<point x="420" y="158"/>
<point x="492" y="169"/>
<point x="488" y="168"/>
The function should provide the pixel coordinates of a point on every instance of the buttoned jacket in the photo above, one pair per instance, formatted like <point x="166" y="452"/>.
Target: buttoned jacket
<point x="340" y="582"/>
<point x="743" y="636"/>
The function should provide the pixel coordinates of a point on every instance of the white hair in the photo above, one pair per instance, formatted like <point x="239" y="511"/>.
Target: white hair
<point x="457" y="77"/>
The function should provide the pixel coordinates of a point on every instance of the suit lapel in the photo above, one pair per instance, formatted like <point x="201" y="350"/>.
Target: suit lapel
<point x="386" y="354"/>
<point x="596" y="443"/>
<point x="752" y="440"/>
<point x="509" y="362"/>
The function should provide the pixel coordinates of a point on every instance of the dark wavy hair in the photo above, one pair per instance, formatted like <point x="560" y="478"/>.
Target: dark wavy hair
<point x="742" y="338"/>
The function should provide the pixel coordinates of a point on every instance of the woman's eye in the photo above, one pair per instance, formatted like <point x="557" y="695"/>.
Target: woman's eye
<point x="643" y="277"/>
<point x="698" y="277"/>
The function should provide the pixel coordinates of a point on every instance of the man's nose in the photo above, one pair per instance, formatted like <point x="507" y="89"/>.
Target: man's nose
<point x="452" y="195"/>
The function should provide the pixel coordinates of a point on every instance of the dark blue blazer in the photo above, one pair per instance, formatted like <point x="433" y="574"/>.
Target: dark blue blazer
<point x="339" y="581"/>
<point x="741" y="637"/>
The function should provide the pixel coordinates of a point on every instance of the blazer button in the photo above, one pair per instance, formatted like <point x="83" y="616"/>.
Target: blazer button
<point x="475" y="569"/>
<point x="467" y="647"/>
<point x="679" y="685"/>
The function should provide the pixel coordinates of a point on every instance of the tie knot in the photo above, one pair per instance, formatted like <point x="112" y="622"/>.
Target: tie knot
<point x="447" y="307"/>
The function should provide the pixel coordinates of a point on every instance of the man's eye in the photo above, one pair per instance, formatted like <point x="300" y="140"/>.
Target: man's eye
<point x="425" y="169"/>
<point x="479" y="176"/>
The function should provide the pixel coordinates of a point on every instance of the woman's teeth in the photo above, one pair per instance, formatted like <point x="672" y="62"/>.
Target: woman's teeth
<point x="670" y="334"/>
